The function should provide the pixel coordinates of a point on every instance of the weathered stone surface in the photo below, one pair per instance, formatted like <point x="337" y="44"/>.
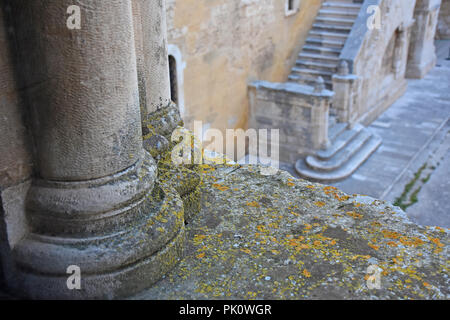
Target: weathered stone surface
<point x="275" y="237"/>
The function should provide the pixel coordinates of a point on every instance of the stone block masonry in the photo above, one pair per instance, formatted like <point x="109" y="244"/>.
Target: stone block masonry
<point x="300" y="112"/>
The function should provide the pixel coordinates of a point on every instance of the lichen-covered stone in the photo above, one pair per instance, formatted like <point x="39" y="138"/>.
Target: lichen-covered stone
<point x="276" y="237"/>
<point x="163" y="121"/>
<point x="156" y="145"/>
<point x="157" y="129"/>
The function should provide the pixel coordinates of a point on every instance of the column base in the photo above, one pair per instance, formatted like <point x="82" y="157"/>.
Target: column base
<point x="158" y="129"/>
<point x="187" y="183"/>
<point x="115" y="260"/>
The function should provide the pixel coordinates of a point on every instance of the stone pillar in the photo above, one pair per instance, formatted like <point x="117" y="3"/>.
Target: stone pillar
<point x="422" y="52"/>
<point x="321" y="99"/>
<point x="152" y="56"/>
<point x="15" y="156"/>
<point x="93" y="205"/>
<point x="343" y="87"/>
<point x="159" y="115"/>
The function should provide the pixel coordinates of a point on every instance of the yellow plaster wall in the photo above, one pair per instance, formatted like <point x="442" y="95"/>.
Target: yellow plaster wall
<point x="228" y="43"/>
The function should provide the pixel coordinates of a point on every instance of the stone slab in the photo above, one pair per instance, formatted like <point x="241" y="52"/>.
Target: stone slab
<point x="276" y="237"/>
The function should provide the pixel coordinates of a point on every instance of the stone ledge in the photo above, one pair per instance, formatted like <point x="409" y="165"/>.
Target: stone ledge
<point x="276" y="237"/>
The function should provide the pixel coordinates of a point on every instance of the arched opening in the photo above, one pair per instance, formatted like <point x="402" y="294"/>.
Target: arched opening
<point x="173" y="79"/>
<point x="176" y="74"/>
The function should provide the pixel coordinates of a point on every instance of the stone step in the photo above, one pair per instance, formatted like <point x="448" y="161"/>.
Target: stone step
<point x="340" y="157"/>
<point x="321" y="50"/>
<point x="313" y="73"/>
<point x="344" y="6"/>
<point x="332" y="28"/>
<point x="318" y="58"/>
<point x="328" y="67"/>
<point x="339" y="142"/>
<point x="335" y="129"/>
<point x="328" y="35"/>
<point x="325" y="43"/>
<point x="335" y="21"/>
<point x="344" y="171"/>
<point x="333" y="13"/>
<point x="300" y="79"/>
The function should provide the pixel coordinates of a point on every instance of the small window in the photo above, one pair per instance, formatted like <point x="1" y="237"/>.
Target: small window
<point x="291" y="7"/>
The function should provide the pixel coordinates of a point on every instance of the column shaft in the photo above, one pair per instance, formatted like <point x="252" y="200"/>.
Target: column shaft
<point x="83" y="94"/>
<point x="152" y="57"/>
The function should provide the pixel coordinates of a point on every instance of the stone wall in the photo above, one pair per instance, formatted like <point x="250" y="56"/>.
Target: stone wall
<point x="443" y="28"/>
<point x="422" y="52"/>
<point x="224" y="44"/>
<point x="299" y="112"/>
<point x="378" y="57"/>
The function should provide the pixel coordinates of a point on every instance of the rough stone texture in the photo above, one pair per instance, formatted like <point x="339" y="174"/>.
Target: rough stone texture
<point x="276" y="237"/>
<point x="226" y="43"/>
<point x="443" y="27"/>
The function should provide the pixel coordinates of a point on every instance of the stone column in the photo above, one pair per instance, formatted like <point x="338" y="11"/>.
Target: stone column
<point x="321" y="99"/>
<point x="152" y="57"/>
<point x="343" y="87"/>
<point x="159" y="115"/>
<point x="422" y="52"/>
<point x="93" y="205"/>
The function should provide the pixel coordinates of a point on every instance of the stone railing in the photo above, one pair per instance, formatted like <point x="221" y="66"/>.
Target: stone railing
<point x="376" y="59"/>
<point x="300" y="112"/>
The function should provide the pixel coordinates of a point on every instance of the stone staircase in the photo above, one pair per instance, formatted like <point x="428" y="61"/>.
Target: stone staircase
<point x="320" y="54"/>
<point x="319" y="58"/>
<point x="349" y="148"/>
